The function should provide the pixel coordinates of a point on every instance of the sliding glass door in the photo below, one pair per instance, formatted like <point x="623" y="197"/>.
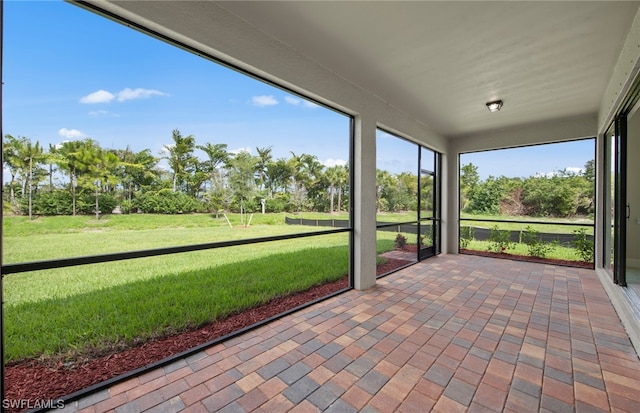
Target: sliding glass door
<point x="428" y="204"/>
<point x="615" y="203"/>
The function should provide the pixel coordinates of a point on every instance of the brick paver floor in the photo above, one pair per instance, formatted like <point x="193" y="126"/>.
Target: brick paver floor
<point x="450" y="334"/>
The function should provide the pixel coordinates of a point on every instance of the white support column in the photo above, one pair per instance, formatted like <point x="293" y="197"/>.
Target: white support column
<point x="364" y="202"/>
<point x="451" y="193"/>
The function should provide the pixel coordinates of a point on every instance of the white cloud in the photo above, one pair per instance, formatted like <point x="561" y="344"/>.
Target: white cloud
<point x="99" y="113"/>
<point x="237" y="151"/>
<point x="101" y="96"/>
<point x="139" y="93"/>
<point x="264" y="100"/>
<point x="333" y="162"/>
<point x="299" y="102"/>
<point x="71" y="133"/>
<point x="575" y="170"/>
<point x="292" y="101"/>
<point x="570" y="170"/>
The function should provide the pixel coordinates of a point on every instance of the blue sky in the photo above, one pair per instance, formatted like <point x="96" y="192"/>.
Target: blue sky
<point x="70" y="74"/>
<point x="532" y="160"/>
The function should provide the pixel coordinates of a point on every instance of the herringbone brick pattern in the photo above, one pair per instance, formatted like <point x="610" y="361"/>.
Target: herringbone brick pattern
<point x="450" y="334"/>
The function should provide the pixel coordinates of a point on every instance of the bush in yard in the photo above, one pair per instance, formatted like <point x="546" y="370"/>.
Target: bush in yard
<point x="499" y="240"/>
<point x="165" y="201"/>
<point x="87" y="206"/>
<point x="400" y="241"/>
<point x="466" y="235"/>
<point x="279" y="203"/>
<point x="126" y="207"/>
<point x="583" y="245"/>
<point x="49" y="203"/>
<point x="536" y="247"/>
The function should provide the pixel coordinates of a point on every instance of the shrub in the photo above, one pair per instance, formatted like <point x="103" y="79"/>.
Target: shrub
<point x="49" y="203"/>
<point x="466" y="235"/>
<point x="280" y="203"/>
<point x="499" y="240"/>
<point x="166" y="201"/>
<point x="87" y="204"/>
<point x="583" y="245"/>
<point x="126" y="206"/>
<point x="400" y="241"/>
<point x="536" y="247"/>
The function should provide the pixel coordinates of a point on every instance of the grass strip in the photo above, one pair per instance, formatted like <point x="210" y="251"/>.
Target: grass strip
<point x="101" y="319"/>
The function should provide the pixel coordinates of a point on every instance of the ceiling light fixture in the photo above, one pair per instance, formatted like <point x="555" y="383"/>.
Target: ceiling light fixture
<point x="494" y="106"/>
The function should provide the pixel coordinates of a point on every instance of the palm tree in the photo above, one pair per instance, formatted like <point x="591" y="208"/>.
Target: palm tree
<point x="135" y="169"/>
<point x="279" y="175"/>
<point x="51" y="160"/>
<point x="10" y="158"/>
<point x="263" y="159"/>
<point x="70" y="161"/>
<point x="342" y="180"/>
<point x="181" y="159"/>
<point x="218" y="155"/>
<point x="100" y="167"/>
<point x="332" y="177"/>
<point x="29" y="155"/>
<point x="242" y="169"/>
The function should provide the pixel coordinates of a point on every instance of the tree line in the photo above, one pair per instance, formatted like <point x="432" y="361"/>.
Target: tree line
<point x="81" y="177"/>
<point x="560" y="194"/>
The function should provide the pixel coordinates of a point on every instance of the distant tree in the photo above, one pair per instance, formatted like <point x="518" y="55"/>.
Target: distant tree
<point x="242" y="168"/>
<point x="11" y="160"/>
<point x="342" y="182"/>
<point x="332" y="178"/>
<point x="30" y="155"/>
<point x="99" y="170"/>
<point x="279" y="175"/>
<point x="489" y="194"/>
<point x="384" y="181"/>
<point x="469" y="180"/>
<point x="262" y="161"/>
<point x="50" y="159"/>
<point x="217" y="156"/>
<point x="181" y="159"/>
<point x="69" y="161"/>
<point x="590" y="170"/>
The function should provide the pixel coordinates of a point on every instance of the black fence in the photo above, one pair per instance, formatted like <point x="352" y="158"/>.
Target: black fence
<point x="483" y="234"/>
<point x="343" y="223"/>
<point x="476" y="233"/>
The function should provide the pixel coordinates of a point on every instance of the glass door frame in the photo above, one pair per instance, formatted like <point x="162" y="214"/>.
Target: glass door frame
<point x="432" y="222"/>
<point x="614" y="203"/>
<point x="620" y="190"/>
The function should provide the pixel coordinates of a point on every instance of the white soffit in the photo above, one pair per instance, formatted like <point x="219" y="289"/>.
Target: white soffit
<point x="440" y="62"/>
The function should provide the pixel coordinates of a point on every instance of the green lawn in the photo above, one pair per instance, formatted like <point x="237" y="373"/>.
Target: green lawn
<point x="551" y="227"/>
<point x="75" y="309"/>
<point x="561" y="253"/>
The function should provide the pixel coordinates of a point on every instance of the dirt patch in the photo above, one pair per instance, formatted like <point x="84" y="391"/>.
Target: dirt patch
<point x="47" y="379"/>
<point x="552" y="261"/>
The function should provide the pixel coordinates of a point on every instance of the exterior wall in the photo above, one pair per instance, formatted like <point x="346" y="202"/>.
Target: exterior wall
<point x="633" y="192"/>
<point x="625" y="72"/>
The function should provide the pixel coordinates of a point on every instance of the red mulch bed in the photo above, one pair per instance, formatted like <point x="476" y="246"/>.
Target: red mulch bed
<point x="48" y="379"/>
<point x="552" y="261"/>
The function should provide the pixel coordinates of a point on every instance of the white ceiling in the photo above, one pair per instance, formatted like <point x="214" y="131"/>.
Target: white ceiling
<point x="441" y="61"/>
